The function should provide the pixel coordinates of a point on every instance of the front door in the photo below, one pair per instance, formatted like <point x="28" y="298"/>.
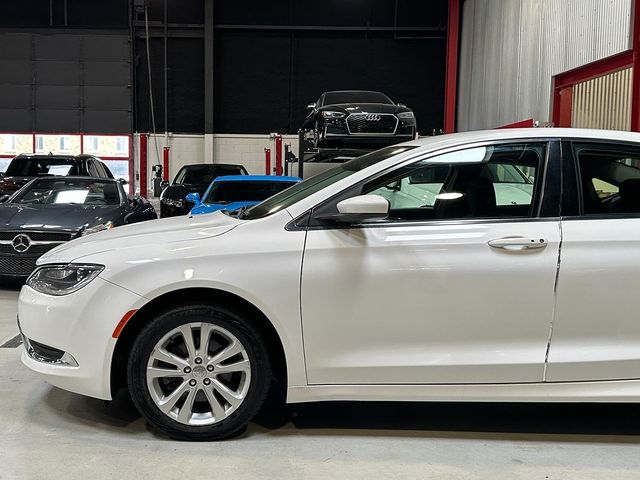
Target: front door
<point x="456" y="286"/>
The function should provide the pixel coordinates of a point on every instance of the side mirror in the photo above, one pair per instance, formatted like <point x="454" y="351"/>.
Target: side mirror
<point x="311" y="106"/>
<point x="4" y="198"/>
<point x="358" y="209"/>
<point x="193" y="198"/>
<point x="164" y="184"/>
<point x="123" y="182"/>
<point x="402" y="105"/>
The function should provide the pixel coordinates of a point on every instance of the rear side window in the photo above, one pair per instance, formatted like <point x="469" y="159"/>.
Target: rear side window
<point x="609" y="176"/>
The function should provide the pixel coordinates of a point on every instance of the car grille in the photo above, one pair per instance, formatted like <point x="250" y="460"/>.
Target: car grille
<point x="381" y="123"/>
<point x="22" y="263"/>
<point x="19" y="266"/>
<point x="34" y="250"/>
<point x="38" y="236"/>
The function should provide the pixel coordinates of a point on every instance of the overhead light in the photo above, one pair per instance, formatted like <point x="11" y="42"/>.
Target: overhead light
<point x="449" y="196"/>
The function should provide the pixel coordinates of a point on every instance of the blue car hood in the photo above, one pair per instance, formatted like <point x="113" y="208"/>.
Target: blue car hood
<point x="214" y="207"/>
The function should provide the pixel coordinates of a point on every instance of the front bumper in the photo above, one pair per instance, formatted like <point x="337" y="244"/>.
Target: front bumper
<point x="80" y="324"/>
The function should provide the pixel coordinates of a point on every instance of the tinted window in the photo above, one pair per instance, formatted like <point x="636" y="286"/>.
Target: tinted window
<point x="92" y="168"/>
<point x="609" y="178"/>
<point x="335" y="98"/>
<point x="227" y="192"/>
<point x="205" y="174"/>
<point x="35" y="166"/>
<point x="484" y="182"/>
<point x="68" y="191"/>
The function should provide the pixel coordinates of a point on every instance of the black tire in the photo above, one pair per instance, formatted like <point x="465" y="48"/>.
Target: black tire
<point x="317" y="137"/>
<point x="227" y="319"/>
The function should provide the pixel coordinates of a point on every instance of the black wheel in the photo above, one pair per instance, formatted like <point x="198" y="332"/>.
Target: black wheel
<point x="317" y="136"/>
<point x="199" y="373"/>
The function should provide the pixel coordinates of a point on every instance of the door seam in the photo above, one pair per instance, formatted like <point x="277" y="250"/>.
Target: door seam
<point x="555" y="301"/>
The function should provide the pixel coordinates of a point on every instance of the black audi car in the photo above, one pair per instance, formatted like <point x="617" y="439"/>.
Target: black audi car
<point x="26" y="167"/>
<point x="192" y="179"/>
<point x="358" y="118"/>
<point x="50" y="211"/>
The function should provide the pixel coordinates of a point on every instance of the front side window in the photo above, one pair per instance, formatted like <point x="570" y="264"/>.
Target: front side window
<point x="609" y="178"/>
<point x="318" y="182"/>
<point x="484" y="182"/>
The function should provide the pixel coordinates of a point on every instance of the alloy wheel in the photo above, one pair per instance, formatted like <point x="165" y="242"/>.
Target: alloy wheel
<point x="198" y="374"/>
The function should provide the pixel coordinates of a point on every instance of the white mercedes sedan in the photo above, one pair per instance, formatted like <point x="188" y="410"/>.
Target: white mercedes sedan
<point x="487" y="266"/>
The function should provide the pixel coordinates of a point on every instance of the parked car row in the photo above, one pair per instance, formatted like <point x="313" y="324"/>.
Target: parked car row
<point x="47" y="200"/>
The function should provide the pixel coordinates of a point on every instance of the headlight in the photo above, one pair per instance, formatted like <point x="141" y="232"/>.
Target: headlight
<point x="330" y="114"/>
<point x="406" y="116"/>
<point x="63" y="279"/>
<point x="96" y="228"/>
<point x="174" y="202"/>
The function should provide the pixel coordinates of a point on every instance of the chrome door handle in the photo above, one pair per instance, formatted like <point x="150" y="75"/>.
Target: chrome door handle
<point x="516" y="244"/>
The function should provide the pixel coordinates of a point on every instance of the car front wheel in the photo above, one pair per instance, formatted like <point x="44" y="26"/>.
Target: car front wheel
<point x="199" y="373"/>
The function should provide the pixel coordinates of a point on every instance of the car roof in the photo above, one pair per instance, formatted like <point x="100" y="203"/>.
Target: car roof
<point x="46" y="156"/>
<point x="64" y="178"/>
<point x="454" y="139"/>
<point x="354" y="91"/>
<point x="200" y="165"/>
<point x="256" y="178"/>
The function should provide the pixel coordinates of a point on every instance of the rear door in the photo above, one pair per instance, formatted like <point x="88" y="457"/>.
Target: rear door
<point x="596" y="333"/>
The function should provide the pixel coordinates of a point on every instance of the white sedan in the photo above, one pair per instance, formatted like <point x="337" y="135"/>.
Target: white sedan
<point x="410" y="273"/>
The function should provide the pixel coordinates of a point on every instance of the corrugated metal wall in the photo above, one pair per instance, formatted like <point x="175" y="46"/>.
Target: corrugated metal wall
<point x="510" y="50"/>
<point x="603" y="102"/>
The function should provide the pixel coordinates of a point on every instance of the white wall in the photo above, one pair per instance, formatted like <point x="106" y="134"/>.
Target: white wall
<point x="247" y="150"/>
<point x="511" y="49"/>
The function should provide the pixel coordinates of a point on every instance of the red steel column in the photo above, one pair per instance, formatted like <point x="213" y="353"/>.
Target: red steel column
<point x="635" y="85"/>
<point x="144" y="152"/>
<point x="278" y="140"/>
<point x="451" y="82"/>
<point x="165" y="163"/>
<point x="132" y="171"/>
<point x="267" y="161"/>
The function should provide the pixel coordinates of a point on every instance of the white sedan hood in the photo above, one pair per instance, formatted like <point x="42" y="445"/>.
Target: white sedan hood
<point x="146" y="234"/>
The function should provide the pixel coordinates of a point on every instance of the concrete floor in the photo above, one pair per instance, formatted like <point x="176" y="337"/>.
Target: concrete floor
<point x="49" y="433"/>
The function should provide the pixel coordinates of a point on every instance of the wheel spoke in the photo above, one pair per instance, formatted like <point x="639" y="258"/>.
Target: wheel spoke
<point x="170" y="401"/>
<point x="231" y="351"/>
<point x="230" y="396"/>
<point x="241" y="366"/>
<point x="216" y="407"/>
<point x="162" y="355"/>
<point x="187" y="335"/>
<point x="205" y="338"/>
<point x="184" y="415"/>
<point x="157" y="372"/>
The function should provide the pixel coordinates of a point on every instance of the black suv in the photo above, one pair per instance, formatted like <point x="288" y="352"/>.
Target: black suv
<point x="193" y="179"/>
<point x="26" y="167"/>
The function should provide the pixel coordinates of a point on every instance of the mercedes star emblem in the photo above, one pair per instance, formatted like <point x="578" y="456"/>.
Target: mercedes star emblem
<point x="21" y="243"/>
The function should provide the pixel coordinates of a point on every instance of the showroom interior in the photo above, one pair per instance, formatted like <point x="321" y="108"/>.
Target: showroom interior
<point x="133" y="132"/>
